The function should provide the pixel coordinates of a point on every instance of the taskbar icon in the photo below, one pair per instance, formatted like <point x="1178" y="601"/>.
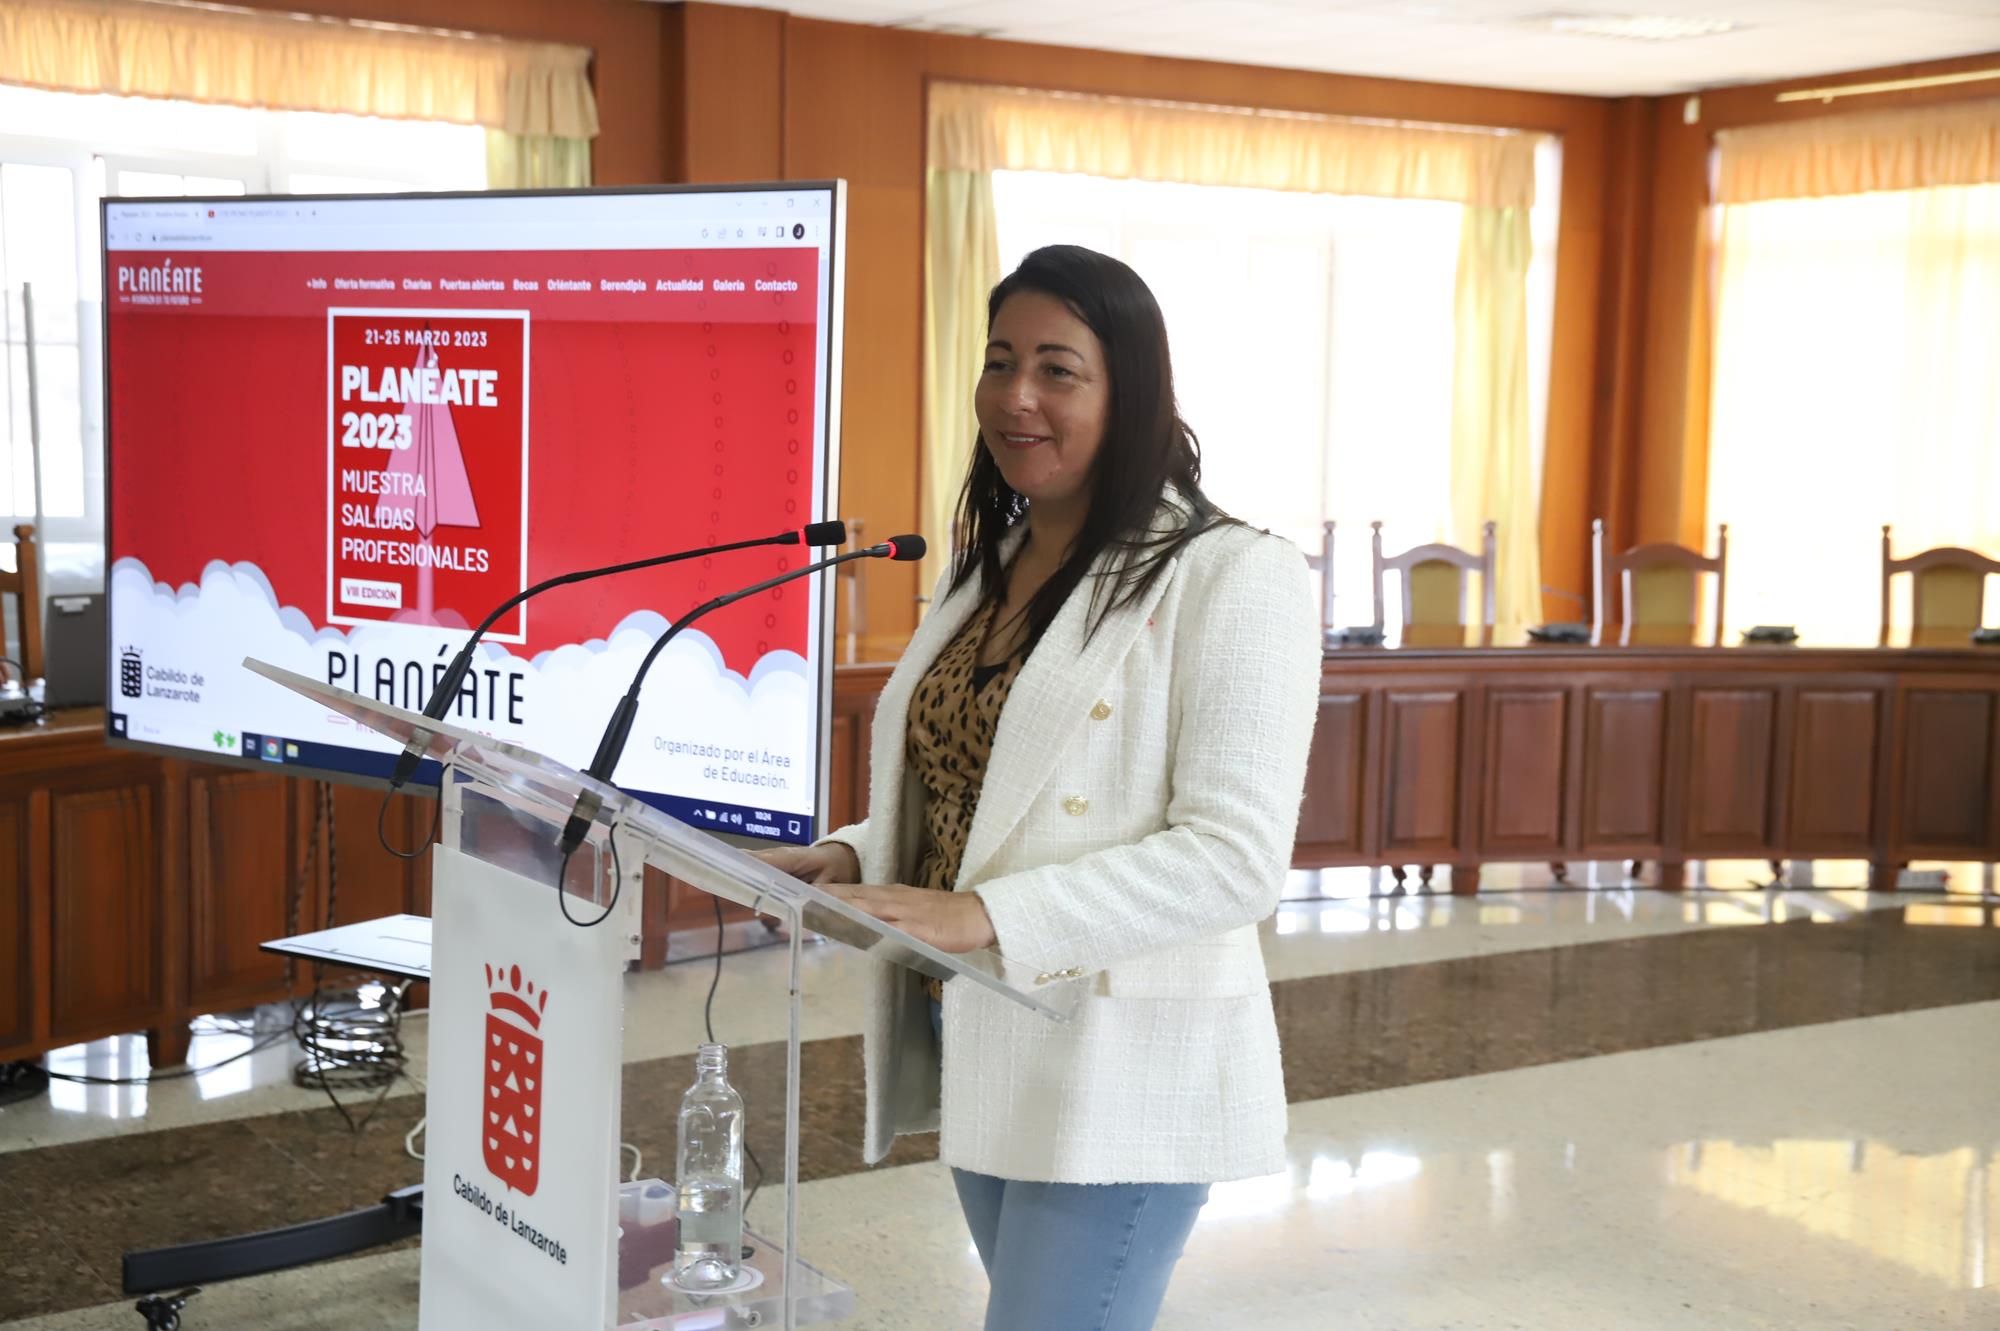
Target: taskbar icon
<point x="270" y="748"/>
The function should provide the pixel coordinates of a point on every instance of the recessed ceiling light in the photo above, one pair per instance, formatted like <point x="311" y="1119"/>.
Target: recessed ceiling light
<point x="1637" y="27"/>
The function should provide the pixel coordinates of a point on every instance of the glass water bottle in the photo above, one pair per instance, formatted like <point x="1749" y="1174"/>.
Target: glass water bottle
<point x="709" y="1173"/>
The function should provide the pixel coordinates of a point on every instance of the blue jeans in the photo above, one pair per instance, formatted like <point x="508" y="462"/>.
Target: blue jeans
<point x="1075" y="1256"/>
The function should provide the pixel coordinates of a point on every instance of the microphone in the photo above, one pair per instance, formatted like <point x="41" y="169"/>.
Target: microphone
<point x="832" y="532"/>
<point x="612" y="744"/>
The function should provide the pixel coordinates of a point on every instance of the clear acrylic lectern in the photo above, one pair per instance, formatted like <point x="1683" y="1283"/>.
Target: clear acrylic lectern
<point x="504" y="808"/>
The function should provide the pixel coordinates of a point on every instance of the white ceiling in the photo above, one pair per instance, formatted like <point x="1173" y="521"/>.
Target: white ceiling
<point x="1495" y="43"/>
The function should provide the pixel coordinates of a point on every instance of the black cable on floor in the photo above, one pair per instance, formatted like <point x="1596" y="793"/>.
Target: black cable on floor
<point x="270" y="1036"/>
<point x="20" y="1081"/>
<point x="173" y="1074"/>
<point x="347" y="1044"/>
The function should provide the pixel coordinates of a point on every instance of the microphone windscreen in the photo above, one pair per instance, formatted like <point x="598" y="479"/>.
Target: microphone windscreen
<point x="833" y="532"/>
<point x="905" y="547"/>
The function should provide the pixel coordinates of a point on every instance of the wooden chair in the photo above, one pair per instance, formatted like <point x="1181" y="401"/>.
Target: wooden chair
<point x="1433" y="584"/>
<point x="1947" y="593"/>
<point x="1433" y="579"/>
<point x="1322" y="564"/>
<point x="1658" y="585"/>
<point x="24" y="584"/>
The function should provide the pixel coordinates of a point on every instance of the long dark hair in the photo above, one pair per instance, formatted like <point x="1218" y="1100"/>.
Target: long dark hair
<point x="1147" y="447"/>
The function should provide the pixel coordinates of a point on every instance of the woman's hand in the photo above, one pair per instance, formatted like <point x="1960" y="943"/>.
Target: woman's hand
<point x="829" y="862"/>
<point x="948" y="921"/>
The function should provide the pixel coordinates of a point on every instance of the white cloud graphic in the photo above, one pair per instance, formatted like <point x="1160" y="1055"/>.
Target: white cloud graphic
<point x="703" y="731"/>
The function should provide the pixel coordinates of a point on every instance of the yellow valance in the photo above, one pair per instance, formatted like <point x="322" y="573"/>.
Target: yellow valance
<point x="1917" y="148"/>
<point x="296" y="62"/>
<point x="984" y="129"/>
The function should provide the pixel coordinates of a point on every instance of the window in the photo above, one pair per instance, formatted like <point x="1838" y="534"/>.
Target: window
<point x="83" y="148"/>
<point x="42" y="324"/>
<point x="1313" y="341"/>
<point x="1853" y="385"/>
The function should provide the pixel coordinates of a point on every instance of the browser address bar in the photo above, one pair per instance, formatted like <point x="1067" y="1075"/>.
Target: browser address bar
<point x="447" y="237"/>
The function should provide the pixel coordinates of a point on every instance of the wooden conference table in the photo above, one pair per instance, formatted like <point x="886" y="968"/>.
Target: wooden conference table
<point x="134" y="890"/>
<point x="1489" y="755"/>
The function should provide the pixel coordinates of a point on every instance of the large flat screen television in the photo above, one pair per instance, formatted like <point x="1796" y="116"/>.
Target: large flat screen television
<point x="341" y="430"/>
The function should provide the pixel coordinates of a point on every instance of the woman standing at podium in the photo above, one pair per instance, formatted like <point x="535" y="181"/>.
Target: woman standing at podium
<point x="1090" y="757"/>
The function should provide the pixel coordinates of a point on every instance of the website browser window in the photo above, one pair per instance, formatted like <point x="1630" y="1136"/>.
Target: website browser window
<point x="343" y="430"/>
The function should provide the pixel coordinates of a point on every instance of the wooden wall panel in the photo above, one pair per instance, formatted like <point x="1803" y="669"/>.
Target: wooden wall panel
<point x="1526" y="770"/>
<point x="418" y="815"/>
<point x="1729" y="769"/>
<point x="1993" y="789"/>
<point x="854" y="108"/>
<point x="22" y="882"/>
<point x="1330" y="820"/>
<point x="847" y="796"/>
<point x="1421" y="774"/>
<point x="1600" y="483"/>
<point x="239" y="853"/>
<point x="1623" y="772"/>
<point x="852" y="737"/>
<point x="106" y="956"/>
<point x="733" y="97"/>
<point x="1947" y="810"/>
<point x="1834" y="776"/>
<point x="373" y="882"/>
<point x="1657" y="459"/>
<point x="1588" y="247"/>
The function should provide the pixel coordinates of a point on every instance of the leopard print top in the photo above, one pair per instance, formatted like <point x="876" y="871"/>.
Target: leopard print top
<point x="954" y="713"/>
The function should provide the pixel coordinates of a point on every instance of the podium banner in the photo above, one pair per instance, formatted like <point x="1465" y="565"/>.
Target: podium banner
<point x="520" y="1163"/>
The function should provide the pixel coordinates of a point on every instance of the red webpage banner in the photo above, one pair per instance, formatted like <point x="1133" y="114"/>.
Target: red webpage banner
<point x="569" y="410"/>
<point x="427" y="455"/>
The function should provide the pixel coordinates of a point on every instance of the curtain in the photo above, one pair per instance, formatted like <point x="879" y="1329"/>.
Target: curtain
<point x="1855" y="335"/>
<point x="536" y="161"/>
<point x="1492" y="444"/>
<point x="1853" y="385"/>
<point x="976" y="130"/>
<point x="1015" y="129"/>
<point x="961" y="265"/>
<point x="296" y="62"/>
<point x="1861" y="154"/>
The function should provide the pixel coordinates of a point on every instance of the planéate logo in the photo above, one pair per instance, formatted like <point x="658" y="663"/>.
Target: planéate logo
<point x="162" y="278"/>
<point x="512" y="1132"/>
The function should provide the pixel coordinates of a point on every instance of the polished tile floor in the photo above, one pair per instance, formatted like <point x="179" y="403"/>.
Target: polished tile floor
<point x="1330" y="924"/>
<point x="1312" y="935"/>
<point x="1606" y="1193"/>
<point x="1850" y="1178"/>
<point x="1589" y="1108"/>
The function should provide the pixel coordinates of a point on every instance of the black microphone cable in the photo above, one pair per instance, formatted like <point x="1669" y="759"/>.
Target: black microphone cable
<point x="708" y="1027"/>
<point x="445" y="691"/>
<point x="611" y="745"/>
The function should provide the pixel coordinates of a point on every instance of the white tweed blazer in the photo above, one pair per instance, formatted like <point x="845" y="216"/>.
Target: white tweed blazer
<point x="1135" y="823"/>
